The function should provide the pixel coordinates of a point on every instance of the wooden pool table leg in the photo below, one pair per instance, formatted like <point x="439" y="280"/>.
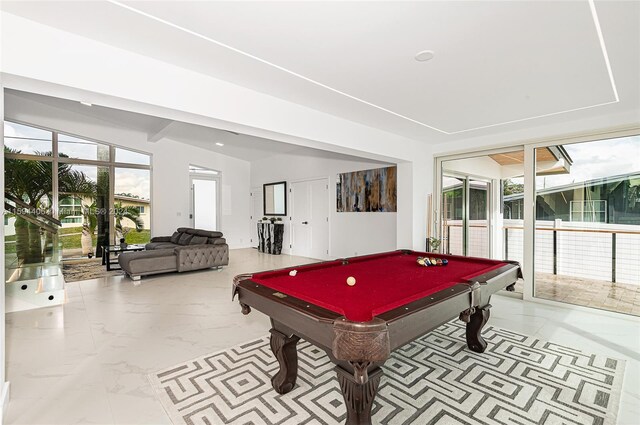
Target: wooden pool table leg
<point x="284" y="348"/>
<point x="358" y="398"/>
<point x="477" y="320"/>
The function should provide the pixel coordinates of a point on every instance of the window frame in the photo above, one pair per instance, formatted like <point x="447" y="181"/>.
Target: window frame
<point x="111" y="164"/>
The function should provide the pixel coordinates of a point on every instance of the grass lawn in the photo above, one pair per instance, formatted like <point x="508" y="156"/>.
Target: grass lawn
<point x="70" y="238"/>
<point x="10" y="248"/>
<point x="142" y="237"/>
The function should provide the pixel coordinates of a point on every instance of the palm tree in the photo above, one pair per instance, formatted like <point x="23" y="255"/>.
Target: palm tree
<point x="31" y="182"/>
<point x="89" y="224"/>
<point x="129" y="212"/>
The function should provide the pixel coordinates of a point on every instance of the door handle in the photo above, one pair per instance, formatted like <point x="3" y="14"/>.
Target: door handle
<point x="305" y="222"/>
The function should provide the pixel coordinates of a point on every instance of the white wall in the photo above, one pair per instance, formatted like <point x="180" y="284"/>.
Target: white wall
<point x="170" y="194"/>
<point x="415" y="184"/>
<point x="350" y="233"/>
<point x="171" y="189"/>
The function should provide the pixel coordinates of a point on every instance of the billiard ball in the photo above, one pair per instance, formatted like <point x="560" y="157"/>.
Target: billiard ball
<point x="293" y="272"/>
<point x="439" y="261"/>
<point x="434" y="262"/>
<point x="351" y="281"/>
<point x="445" y="261"/>
<point x="427" y="262"/>
<point x="421" y="261"/>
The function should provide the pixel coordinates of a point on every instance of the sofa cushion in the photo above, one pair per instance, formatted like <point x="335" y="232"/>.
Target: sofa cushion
<point x="145" y="262"/>
<point x="161" y="239"/>
<point x="159" y="245"/>
<point x="175" y="237"/>
<point x="217" y="241"/>
<point x="185" y="238"/>
<point x="198" y="240"/>
<point x="206" y="233"/>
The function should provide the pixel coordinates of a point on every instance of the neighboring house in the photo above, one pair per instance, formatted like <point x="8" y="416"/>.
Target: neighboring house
<point x="453" y="203"/>
<point x="143" y="206"/>
<point x="71" y="207"/>
<point x="9" y="225"/>
<point x="614" y="200"/>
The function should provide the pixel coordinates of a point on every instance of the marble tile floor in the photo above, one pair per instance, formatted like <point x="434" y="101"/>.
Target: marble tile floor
<point x="86" y="362"/>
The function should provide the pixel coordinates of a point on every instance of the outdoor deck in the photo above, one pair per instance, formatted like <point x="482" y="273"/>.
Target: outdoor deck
<point x="618" y="297"/>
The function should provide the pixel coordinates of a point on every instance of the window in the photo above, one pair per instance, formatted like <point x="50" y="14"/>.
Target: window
<point x="20" y="138"/>
<point x="588" y="211"/>
<point x="74" y="147"/>
<point x="71" y="220"/>
<point x="70" y="210"/>
<point x="131" y="157"/>
<point x="85" y="173"/>
<point x="132" y="200"/>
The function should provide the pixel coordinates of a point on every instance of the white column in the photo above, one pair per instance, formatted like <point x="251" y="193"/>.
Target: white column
<point x="415" y="182"/>
<point x="497" y="222"/>
<point x="529" y="220"/>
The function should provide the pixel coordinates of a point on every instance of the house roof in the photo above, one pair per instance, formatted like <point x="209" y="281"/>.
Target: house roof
<point x="131" y="199"/>
<point x="635" y="176"/>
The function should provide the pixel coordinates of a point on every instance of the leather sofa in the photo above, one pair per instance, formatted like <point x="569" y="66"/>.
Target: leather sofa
<point x="187" y="249"/>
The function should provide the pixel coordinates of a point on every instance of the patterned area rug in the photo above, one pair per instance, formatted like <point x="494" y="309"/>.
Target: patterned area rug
<point x="75" y="270"/>
<point x="519" y="380"/>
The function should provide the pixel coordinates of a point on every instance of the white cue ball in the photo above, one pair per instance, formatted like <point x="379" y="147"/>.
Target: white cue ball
<point x="351" y="281"/>
<point x="293" y="272"/>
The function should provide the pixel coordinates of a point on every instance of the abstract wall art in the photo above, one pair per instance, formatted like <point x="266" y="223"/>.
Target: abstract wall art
<point x="368" y="190"/>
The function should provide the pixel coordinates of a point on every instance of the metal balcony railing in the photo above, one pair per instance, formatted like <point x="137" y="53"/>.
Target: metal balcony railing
<point x="613" y="235"/>
<point x="603" y="252"/>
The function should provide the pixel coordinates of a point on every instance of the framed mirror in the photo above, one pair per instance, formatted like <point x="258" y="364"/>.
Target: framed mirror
<point x="275" y="198"/>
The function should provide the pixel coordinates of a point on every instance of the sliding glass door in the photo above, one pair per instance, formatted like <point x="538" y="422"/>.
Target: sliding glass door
<point x="587" y="224"/>
<point x="479" y="201"/>
<point x="466" y="209"/>
<point x="478" y="216"/>
<point x="453" y="214"/>
<point x="569" y="213"/>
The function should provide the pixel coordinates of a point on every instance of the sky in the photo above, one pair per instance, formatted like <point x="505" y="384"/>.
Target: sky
<point x="598" y="159"/>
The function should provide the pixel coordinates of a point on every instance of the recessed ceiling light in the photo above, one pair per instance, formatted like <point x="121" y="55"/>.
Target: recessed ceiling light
<point x="219" y="144"/>
<point x="86" y="103"/>
<point x="424" y="55"/>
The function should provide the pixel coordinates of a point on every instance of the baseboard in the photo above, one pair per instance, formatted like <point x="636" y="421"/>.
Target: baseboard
<point x="6" y="394"/>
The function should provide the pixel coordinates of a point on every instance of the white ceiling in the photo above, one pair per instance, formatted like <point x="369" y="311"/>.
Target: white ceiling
<point x="498" y="66"/>
<point x="242" y="146"/>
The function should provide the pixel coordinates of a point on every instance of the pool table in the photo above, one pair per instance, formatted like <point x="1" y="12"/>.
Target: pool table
<point x="394" y="301"/>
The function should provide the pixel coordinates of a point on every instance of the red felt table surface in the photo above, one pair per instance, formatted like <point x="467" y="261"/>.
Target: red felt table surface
<point x="383" y="281"/>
